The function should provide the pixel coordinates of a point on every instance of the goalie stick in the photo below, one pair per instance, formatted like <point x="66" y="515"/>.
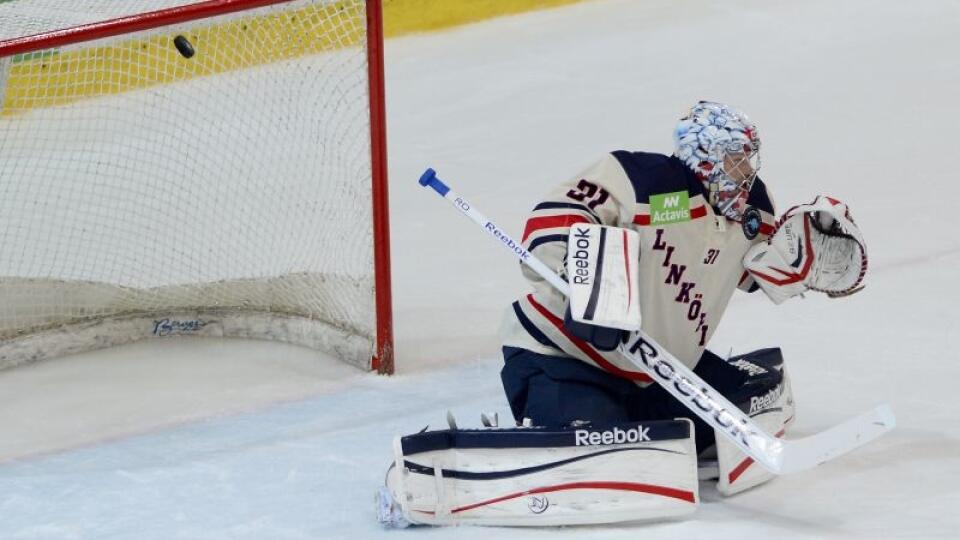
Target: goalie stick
<point x="779" y="456"/>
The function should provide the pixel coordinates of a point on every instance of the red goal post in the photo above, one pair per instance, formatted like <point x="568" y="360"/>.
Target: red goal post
<point x="112" y="74"/>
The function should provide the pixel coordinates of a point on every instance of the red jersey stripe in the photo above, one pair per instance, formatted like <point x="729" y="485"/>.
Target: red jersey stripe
<point x="695" y="213"/>
<point x="587" y="349"/>
<point x="551" y="222"/>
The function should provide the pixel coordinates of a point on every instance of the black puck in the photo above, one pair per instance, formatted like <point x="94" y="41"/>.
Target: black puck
<point x="184" y="46"/>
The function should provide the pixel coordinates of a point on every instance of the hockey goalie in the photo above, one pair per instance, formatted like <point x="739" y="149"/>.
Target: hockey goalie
<point x="646" y="242"/>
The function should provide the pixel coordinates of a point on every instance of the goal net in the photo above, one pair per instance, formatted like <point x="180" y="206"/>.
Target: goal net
<point x="207" y="169"/>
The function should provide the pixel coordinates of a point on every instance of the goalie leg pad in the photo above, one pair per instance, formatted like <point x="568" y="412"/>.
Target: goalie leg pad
<point x="768" y="399"/>
<point x="544" y="477"/>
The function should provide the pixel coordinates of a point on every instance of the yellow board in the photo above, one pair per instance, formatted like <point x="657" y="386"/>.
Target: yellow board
<point x="51" y="78"/>
<point x="55" y="78"/>
<point x="406" y="16"/>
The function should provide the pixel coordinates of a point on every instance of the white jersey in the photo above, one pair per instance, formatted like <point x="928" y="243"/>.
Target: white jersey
<point x="691" y="259"/>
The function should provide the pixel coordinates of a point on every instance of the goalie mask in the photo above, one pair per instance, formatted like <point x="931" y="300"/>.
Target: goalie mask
<point x="721" y="145"/>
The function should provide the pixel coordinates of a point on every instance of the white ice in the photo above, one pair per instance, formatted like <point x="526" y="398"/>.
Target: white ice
<point x="857" y="99"/>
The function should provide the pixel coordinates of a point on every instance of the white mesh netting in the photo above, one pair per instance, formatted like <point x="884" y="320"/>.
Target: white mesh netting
<point x="146" y="193"/>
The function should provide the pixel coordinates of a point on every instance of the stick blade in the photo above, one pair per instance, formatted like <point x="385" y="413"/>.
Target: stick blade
<point x="808" y="452"/>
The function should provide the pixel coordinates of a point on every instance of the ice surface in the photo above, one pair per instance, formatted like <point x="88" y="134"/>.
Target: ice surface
<point x="855" y="99"/>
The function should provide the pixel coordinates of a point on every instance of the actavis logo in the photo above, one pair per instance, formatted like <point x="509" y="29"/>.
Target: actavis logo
<point x="668" y="208"/>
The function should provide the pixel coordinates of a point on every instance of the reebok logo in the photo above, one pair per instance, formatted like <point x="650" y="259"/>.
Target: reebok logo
<point x="759" y="403"/>
<point x="580" y="238"/>
<point x="668" y="208"/>
<point x="585" y="437"/>
<point x="507" y="241"/>
<point x="175" y="327"/>
<point x="748" y="367"/>
<point x="699" y="398"/>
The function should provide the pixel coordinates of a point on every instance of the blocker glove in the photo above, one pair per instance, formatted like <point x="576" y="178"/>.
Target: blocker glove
<point x="601" y="337"/>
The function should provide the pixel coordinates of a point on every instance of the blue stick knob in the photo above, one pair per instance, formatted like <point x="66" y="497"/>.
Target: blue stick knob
<point x="429" y="178"/>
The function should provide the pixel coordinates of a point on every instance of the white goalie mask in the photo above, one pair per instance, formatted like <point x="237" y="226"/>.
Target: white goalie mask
<point x="722" y="146"/>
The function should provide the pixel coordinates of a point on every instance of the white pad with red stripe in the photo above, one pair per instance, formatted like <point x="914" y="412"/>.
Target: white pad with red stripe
<point x="540" y="477"/>
<point x="603" y="272"/>
<point x="772" y="411"/>
<point x="816" y="246"/>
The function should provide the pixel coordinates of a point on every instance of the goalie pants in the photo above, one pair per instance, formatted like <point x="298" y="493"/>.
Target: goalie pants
<point x="554" y="391"/>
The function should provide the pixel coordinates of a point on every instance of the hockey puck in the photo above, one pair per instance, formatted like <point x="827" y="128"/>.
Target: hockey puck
<point x="184" y="46"/>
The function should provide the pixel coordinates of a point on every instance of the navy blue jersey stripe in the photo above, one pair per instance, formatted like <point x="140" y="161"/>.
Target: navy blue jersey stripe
<point x="563" y="205"/>
<point x="531" y="328"/>
<point x="545" y="239"/>
<point x="651" y="174"/>
<point x="510" y="473"/>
